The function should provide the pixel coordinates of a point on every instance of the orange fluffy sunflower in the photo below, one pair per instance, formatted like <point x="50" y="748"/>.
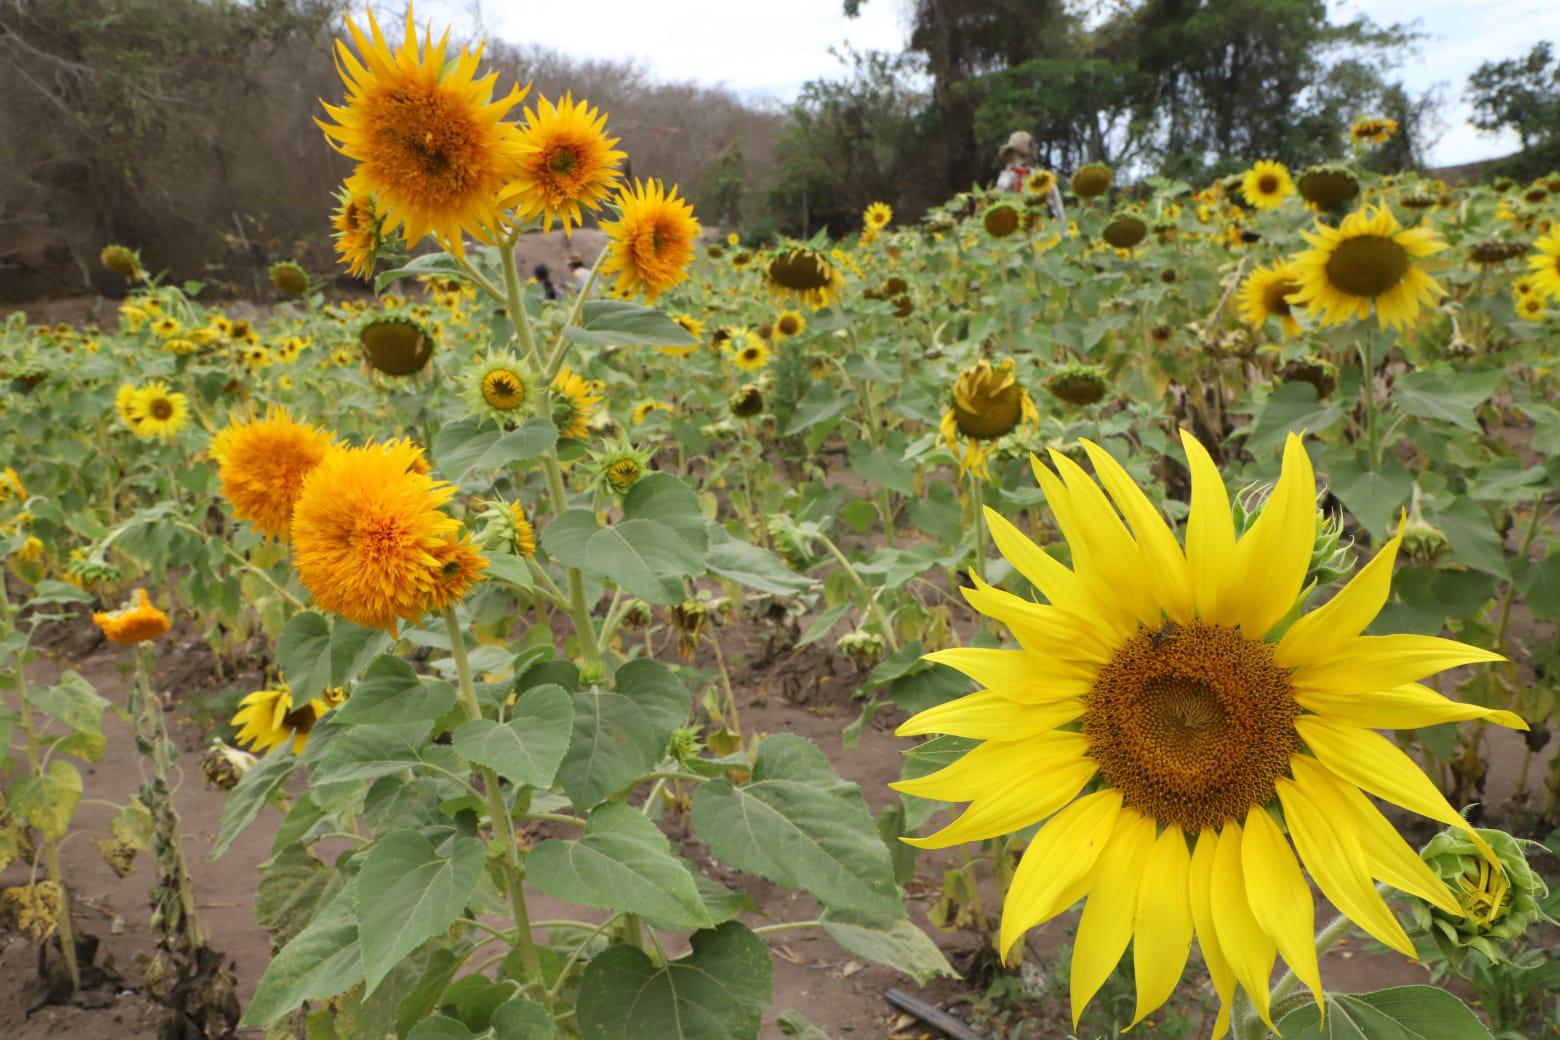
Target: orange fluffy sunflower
<point x="136" y="622"/>
<point x="459" y="567"/>
<point x="263" y="462"/>
<point x="651" y="242"/>
<point x="567" y="163"/>
<point x="365" y="531"/>
<point x="357" y="232"/>
<point x="430" y="143"/>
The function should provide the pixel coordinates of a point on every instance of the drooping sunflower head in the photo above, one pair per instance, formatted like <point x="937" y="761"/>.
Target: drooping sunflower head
<point x="122" y="260"/>
<point x="138" y="621"/>
<point x="289" y="277"/>
<point x="747" y="402"/>
<point x="805" y="275"/>
<point x="364" y="532"/>
<point x="645" y="409"/>
<point x="1002" y="220"/>
<point x="877" y="216"/>
<point x="1266" y="294"/>
<point x="1374" y="130"/>
<point x="1040" y="182"/>
<point x="1328" y="186"/>
<point x="1267" y="184"/>
<point x="1368" y="261"/>
<point x="1078" y="384"/>
<point x="125" y="405"/>
<point x="262" y="463"/>
<point x="1092" y="179"/>
<point x="1492" y="252"/>
<point x="1125" y="230"/>
<point x="430" y="142"/>
<point x="458" y="566"/>
<point x="396" y="346"/>
<point x="987" y="400"/>
<point x="267" y="719"/>
<point x="1202" y="704"/>
<point x="574" y="402"/>
<point x="159" y="412"/>
<point x="748" y="351"/>
<point x="1545" y="265"/>
<point x="358" y="225"/>
<point x="500" y="388"/>
<point x="651" y="243"/>
<point x="788" y="324"/>
<point x="567" y="163"/>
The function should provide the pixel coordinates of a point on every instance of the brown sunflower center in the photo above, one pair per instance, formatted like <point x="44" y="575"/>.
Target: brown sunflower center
<point x="503" y="390"/>
<point x="788" y="325"/>
<point x="1275" y="298"/>
<point x="563" y="161"/>
<point x="425" y="146"/>
<point x="1193" y="724"/>
<point x="299" y="720"/>
<point x="1267" y="184"/>
<point x="1367" y="265"/>
<point x="160" y="409"/>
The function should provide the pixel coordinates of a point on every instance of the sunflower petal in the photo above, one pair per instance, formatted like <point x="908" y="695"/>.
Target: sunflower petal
<point x="1016" y="806"/>
<point x="992" y="767"/>
<point x="1264" y="577"/>
<point x="1279" y="897"/>
<point x="1384" y="662"/>
<point x="1200" y="899"/>
<point x="1018" y="674"/>
<point x="1162" y="928"/>
<point x="1112" y="552"/>
<point x="1319" y="634"/>
<point x="1210" y="527"/>
<point x="1061" y="856"/>
<point x="1410" y="706"/>
<point x="1251" y="951"/>
<point x="1055" y="581"/>
<point x="1106" y="925"/>
<point x="1163" y="560"/>
<point x="988" y="715"/>
<point x="1041" y="628"/>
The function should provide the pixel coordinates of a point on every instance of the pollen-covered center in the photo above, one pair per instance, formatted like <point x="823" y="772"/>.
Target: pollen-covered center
<point x="1367" y="265"/>
<point x="425" y="146"/>
<point x="1193" y="724"/>
<point x="503" y="390"/>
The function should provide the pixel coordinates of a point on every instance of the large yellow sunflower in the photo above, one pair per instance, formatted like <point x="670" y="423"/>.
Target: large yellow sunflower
<point x="1367" y="260"/>
<point x="651" y="243"/>
<point x="266" y="719"/>
<point x="1267" y="184"/>
<point x="1265" y="294"/>
<point x="430" y="143"/>
<point x="365" y="530"/>
<point x="263" y="462"/>
<point x="748" y="352"/>
<point x="1545" y="264"/>
<point x="567" y="163"/>
<point x="159" y="412"/>
<point x="574" y="401"/>
<point x="1200" y="709"/>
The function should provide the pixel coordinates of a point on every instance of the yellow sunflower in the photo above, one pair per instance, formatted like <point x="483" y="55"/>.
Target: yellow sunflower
<point x="1367" y="260"/>
<point x="125" y="405"/>
<point x="499" y="387"/>
<point x="522" y="535"/>
<point x="364" y="532"/>
<point x="1267" y="184"/>
<point x="1545" y="264"/>
<point x="266" y="719"/>
<point x="1372" y="131"/>
<point x="1265" y="294"/>
<point x="430" y="143"/>
<point x="650" y="245"/>
<point x="262" y="462"/>
<point x="459" y="567"/>
<point x="691" y="325"/>
<point x="567" y="163"/>
<point x="1200" y="706"/>
<point x="135" y="622"/>
<point x="748" y="352"/>
<point x="1040" y="182"/>
<point x="788" y="324"/>
<point x="357" y="231"/>
<point x="987" y="404"/>
<point x="644" y="409"/>
<point x="804" y="275"/>
<point x="574" y="401"/>
<point x="877" y="216"/>
<point x="159" y="411"/>
<point x="1531" y="308"/>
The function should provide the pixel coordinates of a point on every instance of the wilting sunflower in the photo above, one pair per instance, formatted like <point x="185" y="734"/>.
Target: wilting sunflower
<point x="430" y="143"/>
<point x="1266" y="293"/>
<point x="747" y="351"/>
<point x="877" y="216"/>
<point x="1372" y="131"/>
<point x="135" y="622"/>
<point x="788" y="324"/>
<point x="122" y="260"/>
<point x="1200" y="708"/>
<point x="804" y="275"/>
<point x="1545" y="264"/>
<point x="650" y="245"/>
<point x="159" y="412"/>
<point x="364" y="531"/>
<point x="1092" y="179"/>
<point x="1367" y="260"/>
<point x="574" y="401"/>
<point x="567" y="163"/>
<point x="357" y="225"/>
<point x="987" y="403"/>
<point x="459" y="567"/>
<point x="1267" y="184"/>
<point x="266" y="719"/>
<point x="262" y="462"/>
<point x="499" y="387"/>
<point x="289" y="276"/>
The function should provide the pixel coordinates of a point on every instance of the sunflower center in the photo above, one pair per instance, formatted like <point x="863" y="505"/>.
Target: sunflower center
<point x="1193" y="724"/>
<point x="503" y="390"/>
<point x="1367" y="265"/>
<point x="1275" y="297"/>
<point x="425" y="147"/>
<point x="161" y="409"/>
<point x="299" y="720"/>
<point x="788" y="326"/>
<point x="1267" y="184"/>
<point x="564" y="161"/>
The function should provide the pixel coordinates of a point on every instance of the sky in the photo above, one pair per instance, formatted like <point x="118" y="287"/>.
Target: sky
<point x="768" y="49"/>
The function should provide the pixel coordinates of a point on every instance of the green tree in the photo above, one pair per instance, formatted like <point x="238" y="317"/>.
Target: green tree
<point x="1522" y="95"/>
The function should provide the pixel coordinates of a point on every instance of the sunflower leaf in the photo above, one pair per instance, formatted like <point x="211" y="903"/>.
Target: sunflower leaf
<point x="528" y="748"/>
<point x="611" y="323"/>
<point x="408" y="893"/>
<point x="1401" y="1013"/>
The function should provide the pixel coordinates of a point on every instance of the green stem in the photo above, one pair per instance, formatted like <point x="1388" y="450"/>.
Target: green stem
<point x="873" y="607"/>
<point x="579" y="609"/>
<point x="503" y="825"/>
<point x="248" y="566"/>
<point x="1368" y="399"/>
<point x="152" y="729"/>
<point x="561" y="346"/>
<point x="481" y="279"/>
<point x="514" y="301"/>
<point x="786" y="926"/>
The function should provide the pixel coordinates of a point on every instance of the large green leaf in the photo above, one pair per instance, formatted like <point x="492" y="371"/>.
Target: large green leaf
<point x="353" y="648"/>
<point x="1446" y="395"/>
<point x="567" y="537"/>
<point x="392" y="692"/>
<point x="48" y="800"/>
<point x="253" y="790"/>
<point x="658" y="692"/>
<point x="893" y="941"/>
<point x="621" y="862"/>
<point x="1539" y="582"/>
<point x="303" y="654"/>
<point x="367" y="752"/>
<point x="521" y="1019"/>
<point x="799" y="825"/>
<point x="407" y="894"/>
<point x="1402" y="1013"/>
<point x="1474" y="540"/>
<point x="718" y="992"/>
<point x="614" y="743"/>
<point x="529" y="746"/>
<point x="72" y="701"/>
<point x="1291" y="407"/>
<point x="321" y="961"/>
<point x="610" y="323"/>
<point x="296" y="885"/>
<point x="751" y="566"/>
<point x="473" y="443"/>
<point x="647" y="558"/>
<point x="1374" y="496"/>
<point x="821" y="403"/>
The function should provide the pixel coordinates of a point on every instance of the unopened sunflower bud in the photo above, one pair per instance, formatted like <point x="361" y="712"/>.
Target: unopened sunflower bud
<point x="1332" y="557"/>
<point x="225" y="766"/>
<point x="636" y="615"/>
<point x="685" y="745"/>
<point x="592" y="672"/>
<point x="620" y="468"/>
<point x="1499" y="900"/>
<point x="1422" y="541"/>
<point x="864" y="648"/>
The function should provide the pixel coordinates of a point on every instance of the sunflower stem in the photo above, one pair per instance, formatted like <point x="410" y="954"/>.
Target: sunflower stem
<point x="1368" y="400"/>
<point x="503" y="824"/>
<point x="873" y="607"/>
<point x="561" y="346"/>
<point x="579" y="610"/>
<point x="514" y="301"/>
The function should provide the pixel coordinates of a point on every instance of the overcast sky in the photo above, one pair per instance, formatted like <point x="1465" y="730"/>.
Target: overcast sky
<point x="769" y="49"/>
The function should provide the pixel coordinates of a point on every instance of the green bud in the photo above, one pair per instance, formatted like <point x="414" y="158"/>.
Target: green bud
<point x="592" y="672"/>
<point x="863" y="647"/>
<point x="619" y="467"/>
<point x="1500" y="900"/>
<point x="685" y="745"/>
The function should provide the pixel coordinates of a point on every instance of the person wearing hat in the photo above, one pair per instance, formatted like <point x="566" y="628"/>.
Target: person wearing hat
<point x="1018" y="162"/>
<point x="579" y="274"/>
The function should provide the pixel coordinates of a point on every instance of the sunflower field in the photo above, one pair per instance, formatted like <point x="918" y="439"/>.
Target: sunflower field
<point x="1154" y="567"/>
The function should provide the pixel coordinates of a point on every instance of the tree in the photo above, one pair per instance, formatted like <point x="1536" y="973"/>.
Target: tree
<point x="1522" y="95"/>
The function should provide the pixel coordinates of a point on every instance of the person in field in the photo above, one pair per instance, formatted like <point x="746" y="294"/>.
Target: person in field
<point x="1018" y="163"/>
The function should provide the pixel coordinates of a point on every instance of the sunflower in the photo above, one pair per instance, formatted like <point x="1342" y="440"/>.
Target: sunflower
<point x="122" y="260"/>
<point x="1545" y="264"/>
<point x="788" y="324"/>
<point x="804" y="275"/>
<point x="987" y="403"/>
<point x="693" y="327"/>
<point x="1372" y="131"/>
<point x="266" y="719"/>
<point x="1265" y="294"/>
<point x="396" y="346"/>
<point x="289" y="276"/>
<point x="1267" y="184"/>
<point x="357" y="223"/>
<point x="500" y="388"/>
<point x="1201" y="706"/>
<point x="645" y="409"/>
<point x="11" y="486"/>
<point x="574" y="402"/>
<point x="179" y="346"/>
<point x="459" y="567"/>
<point x="125" y="405"/>
<point x="748" y="352"/>
<point x="650" y="245"/>
<point x="262" y="463"/>
<point x="522" y="536"/>
<point x="364" y="532"/>
<point x="135" y="622"/>
<point x="1531" y="307"/>
<point x="1366" y="260"/>
<point x="1092" y="179"/>
<point x="159" y="412"/>
<point x="167" y="326"/>
<point x="567" y="163"/>
<point x="877" y="216"/>
<point x="430" y="143"/>
<point x="1002" y="220"/>
<point x="1040" y="182"/>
